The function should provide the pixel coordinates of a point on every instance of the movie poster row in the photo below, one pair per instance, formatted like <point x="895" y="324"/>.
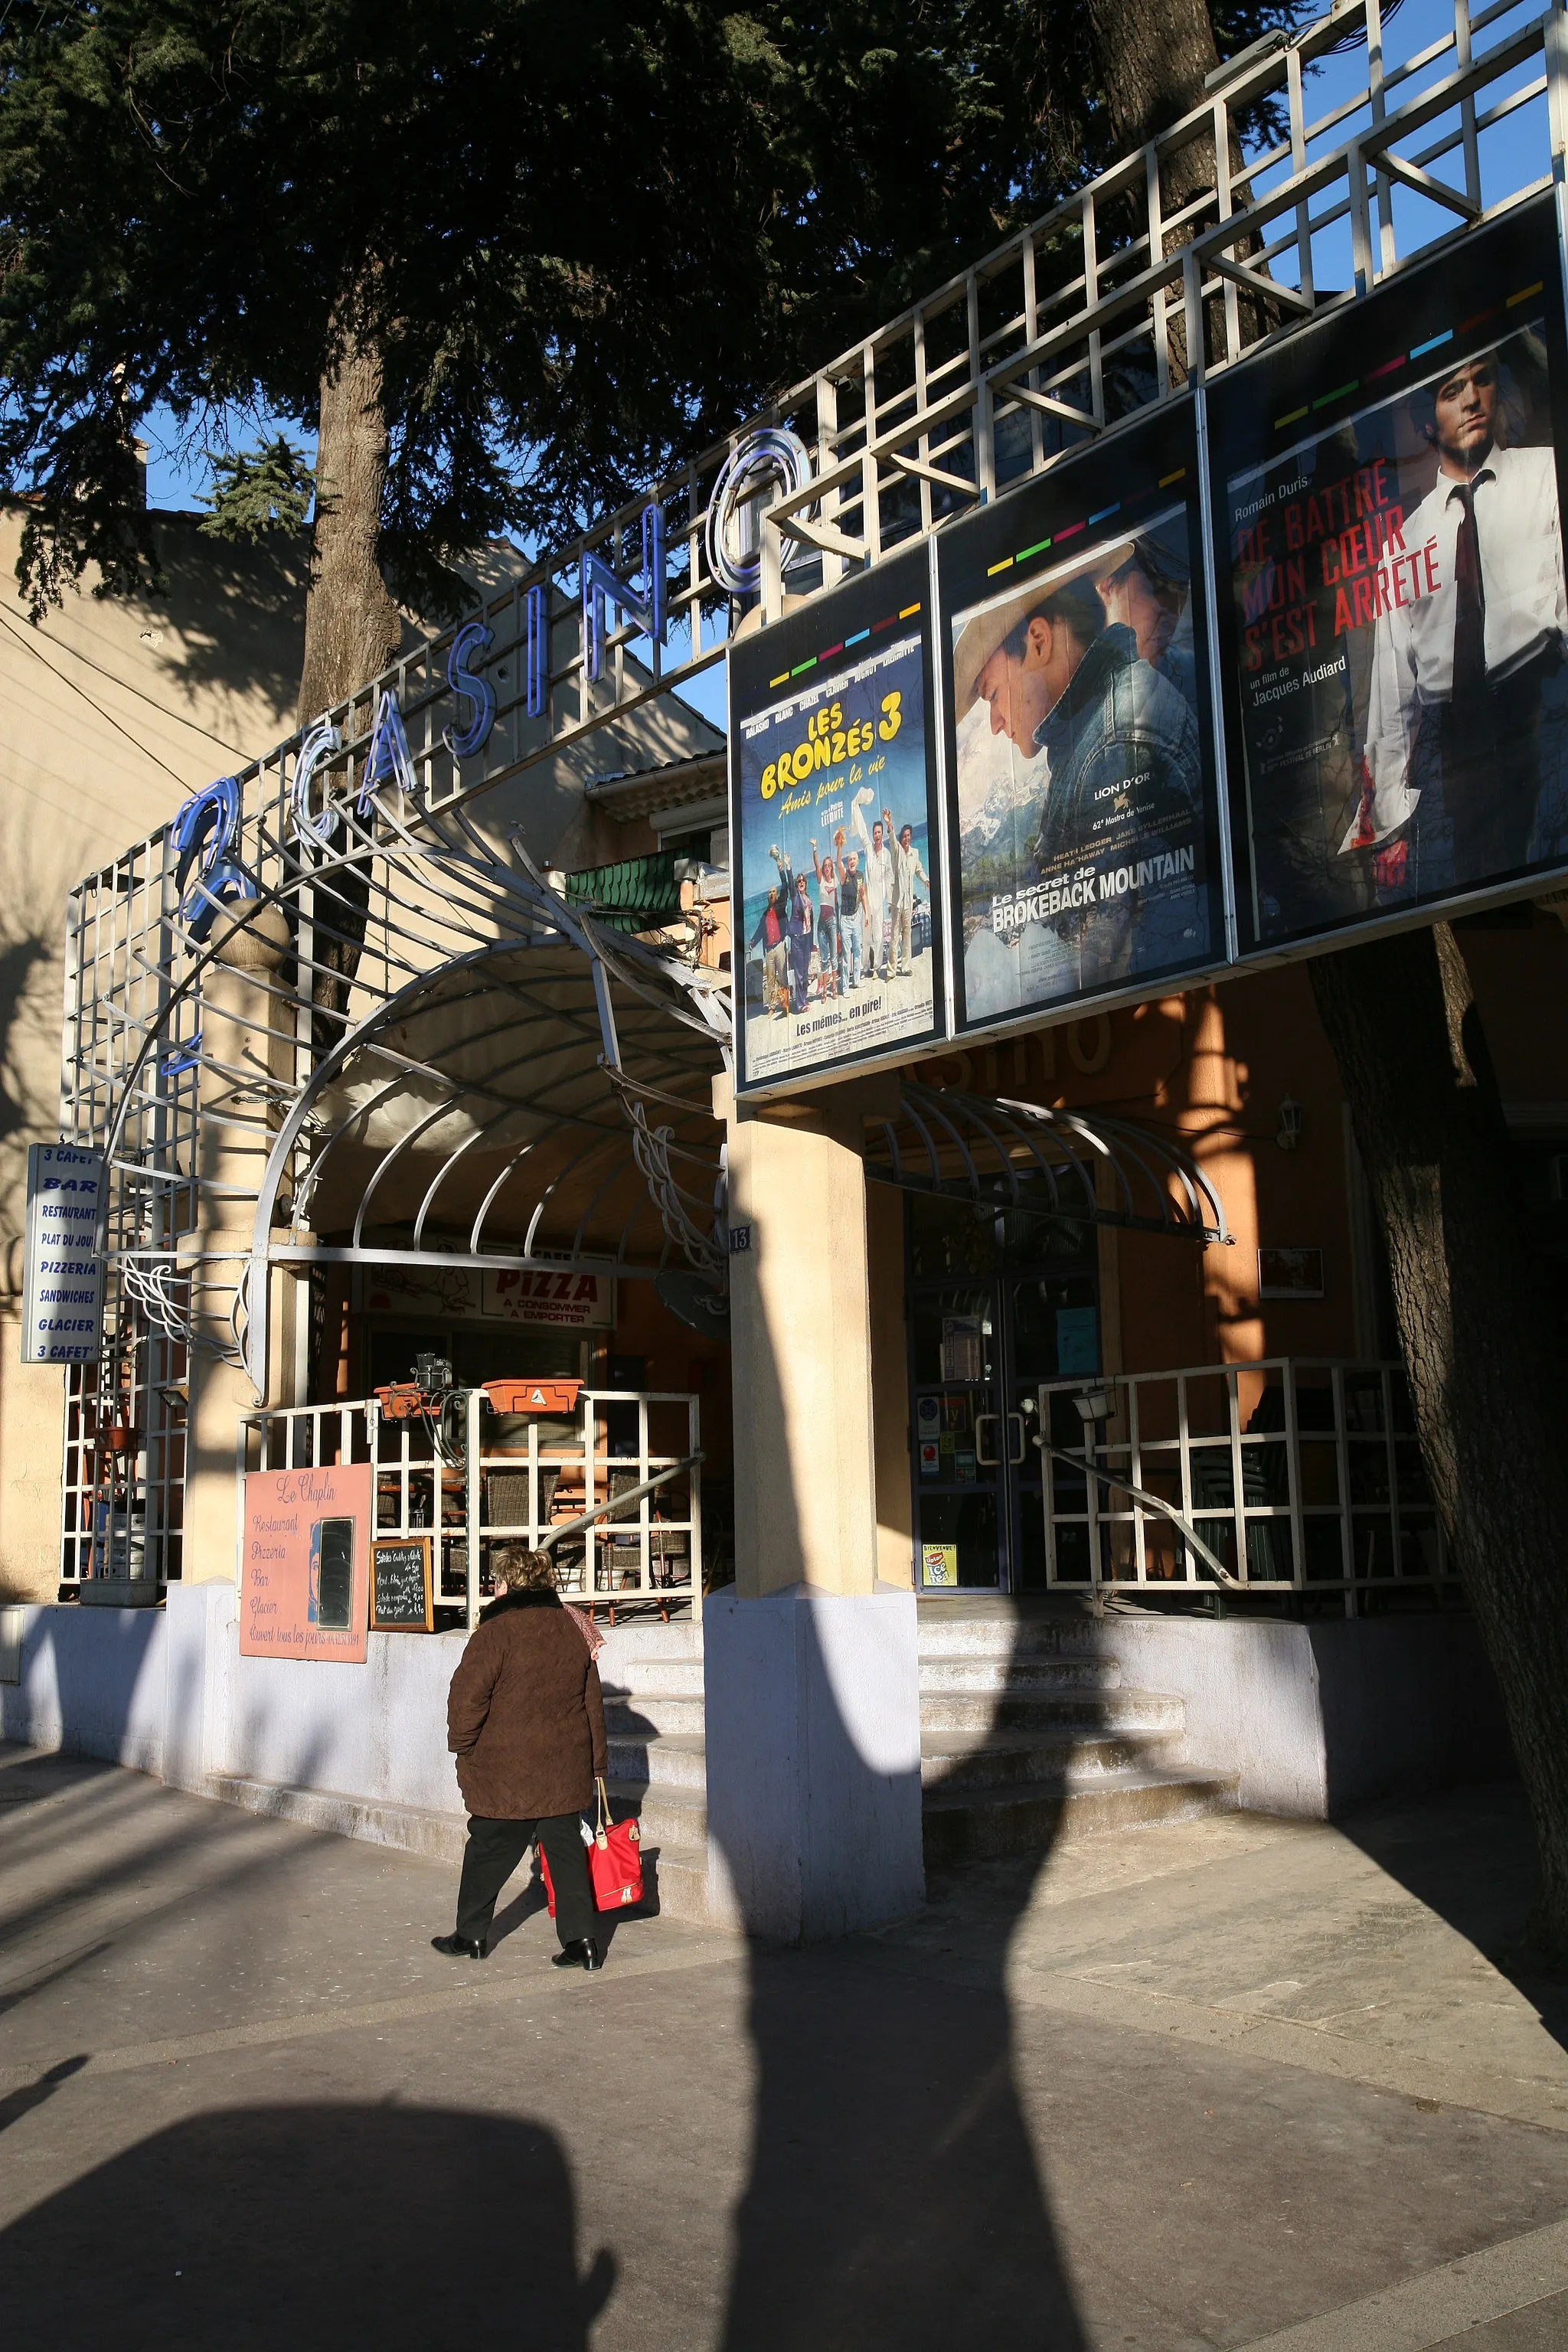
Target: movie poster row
<point x="1388" y="636"/>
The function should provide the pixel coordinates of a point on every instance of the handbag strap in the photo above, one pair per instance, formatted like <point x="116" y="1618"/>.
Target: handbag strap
<point x="602" y="1807"/>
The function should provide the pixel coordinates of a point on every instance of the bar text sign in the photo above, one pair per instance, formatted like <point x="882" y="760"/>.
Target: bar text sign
<point x="62" y="1321"/>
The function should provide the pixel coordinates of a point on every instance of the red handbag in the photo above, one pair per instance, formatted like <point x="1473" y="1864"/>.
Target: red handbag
<point x="615" y="1861"/>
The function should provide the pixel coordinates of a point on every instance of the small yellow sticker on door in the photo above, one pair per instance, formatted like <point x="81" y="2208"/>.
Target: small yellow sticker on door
<point x="939" y="1563"/>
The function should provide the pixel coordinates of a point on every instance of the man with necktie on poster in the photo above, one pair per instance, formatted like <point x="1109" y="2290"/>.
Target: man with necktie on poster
<point x="1470" y="631"/>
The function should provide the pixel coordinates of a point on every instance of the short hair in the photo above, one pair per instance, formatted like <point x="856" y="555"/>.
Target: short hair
<point x="520" y="1570"/>
<point x="1509" y="413"/>
<point x="1073" y="605"/>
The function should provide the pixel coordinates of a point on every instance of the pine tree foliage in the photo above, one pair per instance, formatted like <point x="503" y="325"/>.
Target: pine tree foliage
<point x="259" y="490"/>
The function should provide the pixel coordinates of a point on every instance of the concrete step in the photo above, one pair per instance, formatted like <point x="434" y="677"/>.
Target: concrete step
<point x="651" y="1677"/>
<point x="647" y="1643"/>
<point x="981" y="1714"/>
<point x="674" y="1825"/>
<point x="642" y="1712"/>
<point x="978" y="1824"/>
<point x="673" y="1821"/>
<point x="974" y="1671"/>
<point x="675" y="1880"/>
<point x="666" y="1816"/>
<point x="674" y="1759"/>
<point x="1006" y="1635"/>
<point x="1058" y="1755"/>
<point x="418" y="1829"/>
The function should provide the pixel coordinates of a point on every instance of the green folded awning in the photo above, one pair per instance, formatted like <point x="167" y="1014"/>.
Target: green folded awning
<point x="641" y="894"/>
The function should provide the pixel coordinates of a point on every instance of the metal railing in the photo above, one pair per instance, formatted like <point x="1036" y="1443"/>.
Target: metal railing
<point x="1300" y="1475"/>
<point x="528" y="1484"/>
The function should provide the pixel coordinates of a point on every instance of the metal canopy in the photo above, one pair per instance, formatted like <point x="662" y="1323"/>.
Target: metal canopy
<point x="999" y="1154"/>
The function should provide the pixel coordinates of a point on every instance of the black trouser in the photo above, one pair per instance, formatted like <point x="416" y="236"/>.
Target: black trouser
<point x="492" y="1854"/>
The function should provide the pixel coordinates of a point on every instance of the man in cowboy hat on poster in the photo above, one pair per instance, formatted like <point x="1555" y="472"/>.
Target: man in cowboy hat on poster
<point x="1122" y="781"/>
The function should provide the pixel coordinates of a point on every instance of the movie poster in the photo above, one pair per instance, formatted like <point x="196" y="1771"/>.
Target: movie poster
<point x="831" y="828"/>
<point x="1398" y="614"/>
<point x="1082" y="800"/>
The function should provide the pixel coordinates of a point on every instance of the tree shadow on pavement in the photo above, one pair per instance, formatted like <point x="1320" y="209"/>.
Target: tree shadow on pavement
<point x="256" y="2226"/>
<point x="894" y="2197"/>
<point x="1469" y="1854"/>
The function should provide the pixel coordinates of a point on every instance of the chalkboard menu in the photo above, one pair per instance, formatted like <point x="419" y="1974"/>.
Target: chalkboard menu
<point x="402" y="1600"/>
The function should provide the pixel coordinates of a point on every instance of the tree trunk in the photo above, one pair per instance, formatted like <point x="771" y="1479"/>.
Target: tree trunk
<point x="351" y="633"/>
<point x="1488" y="1393"/>
<point x="351" y="627"/>
<point x="1153" y="62"/>
<point x="1152" y="66"/>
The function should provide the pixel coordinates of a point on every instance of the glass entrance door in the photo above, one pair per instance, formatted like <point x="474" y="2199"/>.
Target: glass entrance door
<point x="962" y="1504"/>
<point x="996" y="1305"/>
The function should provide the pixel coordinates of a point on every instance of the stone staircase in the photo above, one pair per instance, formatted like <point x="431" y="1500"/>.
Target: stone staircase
<point x="654" y="1731"/>
<point x="1028" y="1735"/>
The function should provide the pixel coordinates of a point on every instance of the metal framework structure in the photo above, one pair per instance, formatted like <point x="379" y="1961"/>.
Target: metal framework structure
<point x="406" y="1035"/>
<point x="997" y="1154"/>
<point x="426" y="1019"/>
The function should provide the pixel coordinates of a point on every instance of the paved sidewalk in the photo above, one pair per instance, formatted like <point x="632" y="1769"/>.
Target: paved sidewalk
<point x="1233" y="2083"/>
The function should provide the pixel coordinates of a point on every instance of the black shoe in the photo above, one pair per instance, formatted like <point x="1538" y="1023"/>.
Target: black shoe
<point x="460" y="1948"/>
<point x="583" y="1954"/>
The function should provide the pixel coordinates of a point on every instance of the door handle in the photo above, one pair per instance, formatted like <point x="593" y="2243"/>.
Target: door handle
<point x="1014" y="1460"/>
<point x="985" y="1461"/>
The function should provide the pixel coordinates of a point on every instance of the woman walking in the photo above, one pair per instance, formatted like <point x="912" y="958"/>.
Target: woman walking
<point x="525" y="1719"/>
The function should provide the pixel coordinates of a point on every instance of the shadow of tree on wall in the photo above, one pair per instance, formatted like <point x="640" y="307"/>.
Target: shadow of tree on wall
<point x="254" y="2227"/>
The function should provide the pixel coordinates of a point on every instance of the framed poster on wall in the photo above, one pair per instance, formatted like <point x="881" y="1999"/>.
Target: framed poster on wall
<point x="1083" y="806"/>
<point x="833" y="833"/>
<point x="1389" y="553"/>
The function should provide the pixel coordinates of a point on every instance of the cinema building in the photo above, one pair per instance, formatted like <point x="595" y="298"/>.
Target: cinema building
<point x="875" y="1198"/>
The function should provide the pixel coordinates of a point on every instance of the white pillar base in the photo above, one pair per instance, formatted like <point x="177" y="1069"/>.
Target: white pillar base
<point x="814" y="1762"/>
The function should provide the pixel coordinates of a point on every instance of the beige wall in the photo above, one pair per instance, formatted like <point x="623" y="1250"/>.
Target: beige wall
<point x="112" y="710"/>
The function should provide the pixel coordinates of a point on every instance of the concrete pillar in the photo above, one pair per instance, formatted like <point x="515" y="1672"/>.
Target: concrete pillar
<point x="806" y="1510"/>
<point x="813" y="1691"/>
<point x="246" y="1037"/>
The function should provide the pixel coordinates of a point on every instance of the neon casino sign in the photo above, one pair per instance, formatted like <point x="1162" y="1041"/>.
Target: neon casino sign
<point x="206" y="832"/>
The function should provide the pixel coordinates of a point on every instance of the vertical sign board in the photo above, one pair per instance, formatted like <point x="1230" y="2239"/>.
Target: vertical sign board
<point x="1391" y="589"/>
<point x="833" y="833"/>
<point x="304" y="1582"/>
<point x="62" y="1298"/>
<point x="1082" y="807"/>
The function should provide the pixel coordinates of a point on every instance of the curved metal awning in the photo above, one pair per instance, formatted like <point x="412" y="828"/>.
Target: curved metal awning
<point x="544" y="1100"/>
<point x="1000" y="1154"/>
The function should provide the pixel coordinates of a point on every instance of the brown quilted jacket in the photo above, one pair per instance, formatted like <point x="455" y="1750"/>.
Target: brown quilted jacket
<point x="525" y="1715"/>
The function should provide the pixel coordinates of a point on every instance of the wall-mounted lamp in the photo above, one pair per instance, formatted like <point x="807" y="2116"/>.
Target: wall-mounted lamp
<point x="1290" y="1134"/>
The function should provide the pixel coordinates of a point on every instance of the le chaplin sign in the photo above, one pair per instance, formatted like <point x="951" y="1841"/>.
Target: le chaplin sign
<point x="304" y="1585"/>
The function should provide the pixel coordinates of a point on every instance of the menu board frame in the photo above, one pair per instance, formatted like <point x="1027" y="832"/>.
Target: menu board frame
<point x="379" y="1624"/>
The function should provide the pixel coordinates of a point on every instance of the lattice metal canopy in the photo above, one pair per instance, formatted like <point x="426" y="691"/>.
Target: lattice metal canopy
<point x="999" y="1154"/>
